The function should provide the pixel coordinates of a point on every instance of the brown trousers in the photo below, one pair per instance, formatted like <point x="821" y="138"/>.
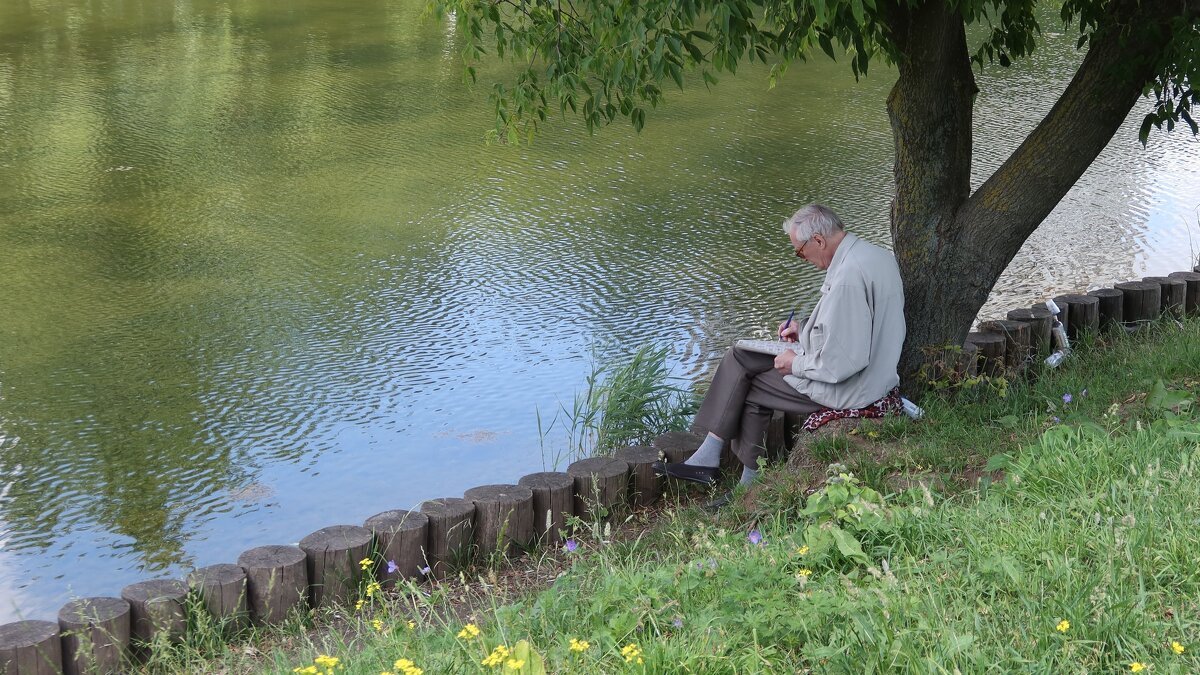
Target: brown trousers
<point x="745" y="390"/>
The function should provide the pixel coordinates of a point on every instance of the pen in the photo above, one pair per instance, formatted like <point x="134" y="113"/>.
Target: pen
<point x="789" y="320"/>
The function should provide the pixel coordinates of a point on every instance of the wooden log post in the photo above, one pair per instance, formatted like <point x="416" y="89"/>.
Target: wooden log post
<point x="1040" y="321"/>
<point x="451" y="534"/>
<point x="276" y="582"/>
<point x="601" y="487"/>
<point x="1110" y="303"/>
<point x="1083" y="314"/>
<point x="991" y="352"/>
<point x="553" y="503"/>
<point x="677" y="446"/>
<point x="1016" y="341"/>
<point x="503" y="518"/>
<point x="401" y="537"/>
<point x="95" y="635"/>
<point x="1172" y="295"/>
<point x="1141" y="303"/>
<point x="969" y="359"/>
<point x="156" y="609"/>
<point x="30" y="648"/>
<point x="222" y="589"/>
<point x="1191" y="296"/>
<point x="645" y="486"/>
<point x="334" y="555"/>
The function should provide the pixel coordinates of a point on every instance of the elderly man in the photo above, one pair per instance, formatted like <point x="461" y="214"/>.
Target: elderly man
<point x="845" y="354"/>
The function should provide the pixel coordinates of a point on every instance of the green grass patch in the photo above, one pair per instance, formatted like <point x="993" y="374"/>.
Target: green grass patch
<point x="1076" y="554"/>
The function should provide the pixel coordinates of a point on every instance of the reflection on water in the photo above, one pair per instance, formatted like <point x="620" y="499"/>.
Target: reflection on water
<point x="261" y="276"/>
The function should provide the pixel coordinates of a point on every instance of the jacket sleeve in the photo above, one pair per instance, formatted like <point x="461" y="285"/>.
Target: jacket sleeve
<point x="841" y="338"/>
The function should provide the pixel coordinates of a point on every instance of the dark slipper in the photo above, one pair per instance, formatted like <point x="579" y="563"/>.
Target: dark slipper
<point x="705" y="475"/>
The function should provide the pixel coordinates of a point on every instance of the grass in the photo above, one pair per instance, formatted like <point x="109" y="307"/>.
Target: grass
<point x="625" y="403"/>
<point x="1074" y="554"/>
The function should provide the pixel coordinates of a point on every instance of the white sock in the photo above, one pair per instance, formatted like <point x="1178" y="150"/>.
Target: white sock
<point x="709" y="452"/>
<point x="748" y="475"/>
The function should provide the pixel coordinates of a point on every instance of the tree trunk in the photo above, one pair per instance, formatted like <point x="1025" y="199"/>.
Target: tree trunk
<point x="952" y="246"/>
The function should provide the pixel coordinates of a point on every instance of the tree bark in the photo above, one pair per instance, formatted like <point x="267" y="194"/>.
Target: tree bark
<point x="952" y="246"/>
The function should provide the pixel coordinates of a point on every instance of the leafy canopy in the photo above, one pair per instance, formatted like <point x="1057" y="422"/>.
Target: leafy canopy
<point x="605" y="59"/>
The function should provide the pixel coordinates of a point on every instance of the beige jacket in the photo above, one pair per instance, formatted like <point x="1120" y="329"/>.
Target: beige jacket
<point x="851" y="342"/>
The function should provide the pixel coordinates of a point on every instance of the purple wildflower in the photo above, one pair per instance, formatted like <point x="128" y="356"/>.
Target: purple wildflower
<point x="393" y="567"/>
<point x="712" y="564"/>
<point x="571" y="545"/>
<point x="755" y="537"/>
<point x="1067" y="398"/>
<point x="1056" y="420"/>
<point x="424" y="570"/>
<point x="678" y="623"/>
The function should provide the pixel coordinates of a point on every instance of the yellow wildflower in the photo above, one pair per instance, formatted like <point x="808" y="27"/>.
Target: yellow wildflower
<point x="365" y="563"/>
<point x="387" y="672"/>
<point x="305" y="670"/>
<point x="1178" y="648"/>
<point x="632" y="653"/>
<point x="803" y="550"/>
<point x="496" y="657"/>
<point x="407" y="667"/>
<point x="358" y="606"/>
<point x="373" y="588"/>
<point x="468" y="631"/>
<point x="514" y="664"/>
<point x="412" y="625"/>
<point x="805" y="572"/>
<point x="377" y="624"/>
<point x="1063" y="626"/>
<point x="326" y="661"/>
<point x="579" y="645"/>
<point x="1137" y="667"/>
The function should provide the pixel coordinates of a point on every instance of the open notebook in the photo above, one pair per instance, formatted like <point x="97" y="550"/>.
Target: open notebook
<point x="773" y="347"/>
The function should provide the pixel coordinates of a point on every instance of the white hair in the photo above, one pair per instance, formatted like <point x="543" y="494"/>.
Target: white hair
<point x="813" y="219"/>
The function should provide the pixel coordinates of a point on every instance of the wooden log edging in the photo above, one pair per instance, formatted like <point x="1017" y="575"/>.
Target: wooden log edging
<point x="1040" y="321"/>
<point x="553" y="503"/>
<point x="95" y="635"/>
<point x="451" y="534"/>
<point x="30" y="648"/>
<point x="332" y="557"/>
<point x="601" y="486"/>
<point x="1141" y="304"/>
<point x="1191" y="301"/>
<point x="156" y="608"/>
<point x="401" y="538"/>
<point x="1083" y="314"/>
<point x="223" y="592"/>
<point x="503" y="518"/>
<point x="645" y="485"/>
<point x="1110" y="308"/>
<point x="1016" y="340"/>
<point x="991" y="352"/>
<point x="101" y="634"/>
<point x="276" y="582"/>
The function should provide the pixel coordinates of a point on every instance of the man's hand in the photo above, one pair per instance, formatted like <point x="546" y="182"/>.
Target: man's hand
<point x="783" y="362"/>
<point x="790" y="332"/>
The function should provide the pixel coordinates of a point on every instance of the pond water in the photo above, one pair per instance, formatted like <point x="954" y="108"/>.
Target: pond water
<point x="261" y="275"/>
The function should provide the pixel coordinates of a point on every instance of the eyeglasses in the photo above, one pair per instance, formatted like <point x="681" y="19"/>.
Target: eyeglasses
<point x="800" y="248"/>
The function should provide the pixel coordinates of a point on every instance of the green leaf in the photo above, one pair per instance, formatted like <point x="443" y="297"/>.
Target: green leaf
<point x="534" y="665"/>
<point x="856" y="8"/>
<point x="849" y="546"/>
<point x="1161" y="398"/>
